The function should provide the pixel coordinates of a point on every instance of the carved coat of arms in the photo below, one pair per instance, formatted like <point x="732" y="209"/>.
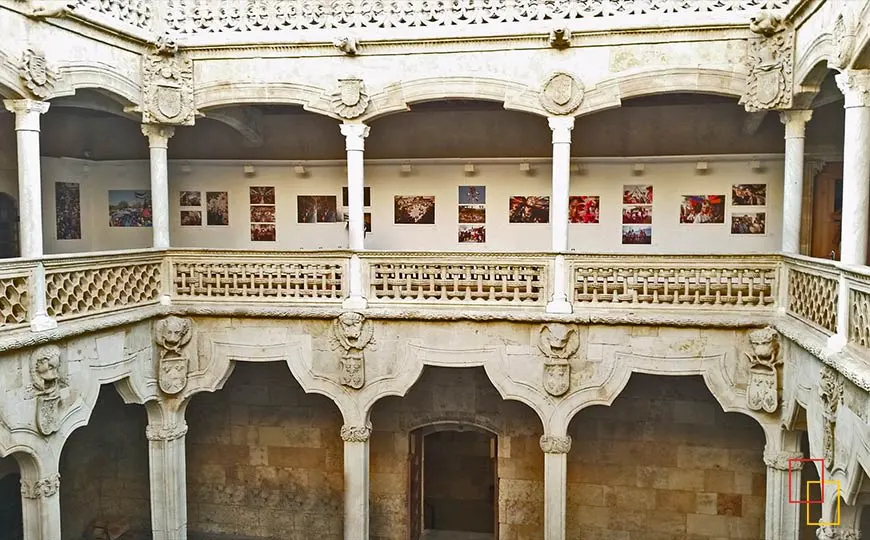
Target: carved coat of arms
<point x="558" y="343"/>
<point x="172" y="334"/>
<point x="562" y="93"/>
<point x="762" y="390"/>
<point x="168" y="90"/>
<point x="352" y="333"/>
<point x="831" y="390"/>
<point x="770" y="63"/>
<point x="350" y="100"/>
<point x="36" y="74"/>
<point x="47" y="384"/>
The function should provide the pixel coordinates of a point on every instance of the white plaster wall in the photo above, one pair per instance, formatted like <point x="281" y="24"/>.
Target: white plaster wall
<point x="669" y="180"/>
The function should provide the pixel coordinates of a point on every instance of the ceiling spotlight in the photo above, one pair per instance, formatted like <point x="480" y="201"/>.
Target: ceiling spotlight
<point x="300" y="170"/>
<point x="525" y="167"/>
<point x="578" y="168"/>
<point x="469" y="169"/>
<point x="638" y="169"/>
<point x="186" y="168"/>
<point x="405" y="169"/>
<point x="249" y="170"/>
<point x="701" y="167"/>
<point x="755" y="165"/>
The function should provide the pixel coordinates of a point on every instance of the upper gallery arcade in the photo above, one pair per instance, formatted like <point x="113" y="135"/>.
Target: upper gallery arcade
<point x="641" y="227"/>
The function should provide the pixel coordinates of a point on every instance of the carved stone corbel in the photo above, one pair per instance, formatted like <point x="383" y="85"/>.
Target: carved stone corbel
<point x="831" y="394"/>
<point x="560" y="38"/>
<point x="48" y="9"/>
<point x="349" y="45"/>
<point x="770" y="64"/>
<point x="762" y="390"/>
<point x="843" y="36"/>
<point x="350" y="99"/>
<point x="351" y="334"/>
<point x="555" y="445"/>
<point x="47" y="487"/>
<point x="558" y="342"/>
<point x="172" y="335"/>
<point x="45" y="368"/>
<point x="355" y="433"/>
<point x="36" y="74"/>
<point x="167" y="82"/>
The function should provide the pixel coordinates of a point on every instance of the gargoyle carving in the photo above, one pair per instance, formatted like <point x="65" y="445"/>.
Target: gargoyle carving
<point x="346" y="44"/>
<point x="560" y="38"/>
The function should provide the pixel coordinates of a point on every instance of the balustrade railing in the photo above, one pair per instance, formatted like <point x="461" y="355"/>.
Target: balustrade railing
<point x="857" y="283"/>
<point x="15" y="291"/>
<point x="812" y="294"/>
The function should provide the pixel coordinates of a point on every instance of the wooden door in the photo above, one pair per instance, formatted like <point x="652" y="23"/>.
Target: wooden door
<point x="827" y="212"/>
<point x="415" y="485"/>
<point x="493" y="454"/>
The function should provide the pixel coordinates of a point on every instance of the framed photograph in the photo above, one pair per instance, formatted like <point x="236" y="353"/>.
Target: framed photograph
<point x="367" y="220"/>
<point x="190" y="198"/>
<point x="637" y="194"/>
<point x="316" y="209"/>
<point x="129" y="208"/>
<point x="749" y="195"/>
<point x="263" y="214"/>
<point x="191" y="218"/>
<point x="703" y="209"/>
<point x="262" y="232"/>
<point x="414" y="209"/>
<point x="472" y="194"/>
<point x="472" y="234"/>
<point x="217" y="208"/>
<point x="367" y="196"/>
<point x="636" y="234"/>
<point x="68" y="210"/>
<point x="529" y="210"/>
<point x="584" y="209"/>
<point x="748" y="223"/>
<point x="472" y="213"/>
<point x="637" y="214"/>
<point x="262" y="195"/>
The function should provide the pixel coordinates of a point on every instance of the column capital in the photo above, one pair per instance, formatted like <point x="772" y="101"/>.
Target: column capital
<point x="355" y="433"/>
<point x="778" y="460"/>
<point x="829" y="532"/>
<point x="555" y="445"/>
<point x="795" y="122"/>
<point x="561" y="127"/>
<point x="855" y="86"/>
<point x="355" y="136"/>
<point x="27" y="112"/>
<point x="158" y="135"/>
<point x="41" y="489"/>
<point x="154" y="432"/>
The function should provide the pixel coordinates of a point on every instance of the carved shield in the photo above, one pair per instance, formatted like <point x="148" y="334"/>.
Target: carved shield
<point x="559" y="89"/>
<point x="557" y="379"/>
<point x="47" y="414"/>
<point x="168" y="100"/>
<point x="172" y="375"/>
<point x="38" y="70"/>
<point x="770" y="84"/>
<point x="353" y="369"/>
<point x="350" y="92"/>
<point x="761" y="390"/>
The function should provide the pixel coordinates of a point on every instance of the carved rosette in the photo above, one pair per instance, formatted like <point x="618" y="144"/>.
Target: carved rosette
<point x="37" y="76"/>
<point x="561" y="93"/>
<point x="762" y="390"/>
<point x="172" y="335"/>
<point x="558" y="343"/>
<point x="831" y="395"/>
<point x="47" y="487"/>
<point x="350" y="99"/>
<point x="167" y="82"/>
<point x="46" y="384"/>
<point x="835" y="532"/>
<point x="780" y="460"/>
<point x="770" y="65"/>
<point x="555" y="445"/>
<point x="351" y="334"/>
<point x="355" y="433"/>
<point x="165" y="433"/>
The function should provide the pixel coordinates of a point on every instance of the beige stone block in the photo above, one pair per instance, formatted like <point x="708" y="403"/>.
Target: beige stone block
<point x="675" y="501"/>
<point x="258" y="455"/>
<point x="719" y="481"/>
<point x="702" y="457"/>
<point x="692" y="412"/>
<point x="631" y="498"/>
<point x="626" y="520"/>
<point x="743" y="482"/>
<point x="686" y="479"/>
<point x="670" y="522"/>
<point x="300" y="458"/>
<point x="389" y="483"/>
<point x="585" y="495"/>
<point x="590" y="516"/>
<point x="207" y="473"/>
<point x="609" y="335"/>
<point x="653" y="477"/>
<point x="749" y="528"/>
<point x="706" y="503"/>
<point x="754" y="506"/>
<point x="707" y="525"/>
<point x="273" y="436"/>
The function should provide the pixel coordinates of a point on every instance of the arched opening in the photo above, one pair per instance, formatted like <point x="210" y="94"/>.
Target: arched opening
<point x="11" y="517"/>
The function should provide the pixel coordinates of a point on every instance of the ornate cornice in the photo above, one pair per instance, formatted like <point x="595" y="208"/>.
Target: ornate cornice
<point x="355" y="433"/>
<point x="44" y="488"/>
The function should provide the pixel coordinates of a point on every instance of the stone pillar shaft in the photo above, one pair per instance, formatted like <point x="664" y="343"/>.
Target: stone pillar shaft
<point x="356" y="482"/>
<point x="782" y="518"/>
<point x="158" y="141"/>
<point x="855" y="86"/>
<point x="168" y="480"/>
<point x="793" y="190"/>
<point x="40" y="499"/>
<point x="555" y="485"/>
<point x="561" y="127"/>
<point x="355" y="135"/>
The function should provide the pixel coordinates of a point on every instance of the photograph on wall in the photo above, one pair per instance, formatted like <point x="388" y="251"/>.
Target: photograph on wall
<point x="529" y="210"/>
<point x="414" y="209"/>
<point x="472" y="194"/>
<point x="190" y="198"/>
<point x="262" y="232"/>
<point x="583" y="209"/>
<point x="749" y="195"/>
<point x="217" y="208"/>
<point x="703" y="209"/>
<point x="129" y="208"/>
<point x="262" y="195"/>
<point x="367" y="221"/>
<point x="68" y="211"/>
<point x="637" y="214"/>
<point x="472" y="213"/>
<point x="472" y="234"/>
<point x="191" y="218"/>
<point x="367" y="196"/>
<point x="637" y="194"/>
<point x="636" y="234"/>
<point x="316" y="209"/>
<point x="263" y="214"/>
<point x="748" y="223"/>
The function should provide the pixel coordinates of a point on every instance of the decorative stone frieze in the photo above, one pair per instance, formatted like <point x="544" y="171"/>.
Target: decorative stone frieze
<point x="855" y="86"/>
<point x="560" y="38"/>
<point x="47" y="487"/>
<point x="831" y="394"/>
<point x="558" y="343"/>
<point x="36" y="74"/>
<point x="770" y="64"/>
<point x="843" y="36"/>
<point x="352" y="333"/>
<point x="350" y="99"/>
<point x="562" y="93"/>
<point x="349" y="45"/>
<point x="555" y="445"/>
<point x="831" y="532"/>
<point x="762" y="390"/>
<point x="172" y="335"/>
<point x="355" y="433"/>
<point x="167" y="82"/>
<point x="165" y="433"/>
<point x="778" y="460"/>
<point x="46" y="380"/>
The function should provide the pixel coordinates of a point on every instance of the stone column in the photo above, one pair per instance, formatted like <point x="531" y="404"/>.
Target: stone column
<point x="561" y="127"/>
<point x="356" y="481"/>
<point x="355" y="135"/>
<point x="555" y="485"/>
<point x="855" y="86"/>
<point x="27" y="114"/>
<point x="158" y="141"/>
<point x="793" y="191"/>
<point x="41" y="507"/>
<point x="168" y="479"/>
<point x="782" y="518"/>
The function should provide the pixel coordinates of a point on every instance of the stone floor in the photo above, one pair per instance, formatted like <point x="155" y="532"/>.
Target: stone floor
<point x="430" y="534"/>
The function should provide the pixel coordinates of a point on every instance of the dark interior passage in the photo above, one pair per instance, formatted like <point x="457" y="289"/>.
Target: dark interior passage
<point x="11" y="521"/>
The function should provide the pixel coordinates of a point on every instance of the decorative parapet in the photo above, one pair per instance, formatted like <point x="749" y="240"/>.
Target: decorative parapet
<point x="812" y="292"/>
<point x="15" y="295"/>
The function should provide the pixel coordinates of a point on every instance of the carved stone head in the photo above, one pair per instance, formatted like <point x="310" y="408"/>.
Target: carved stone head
<point x="558" y="340"/>
<point x="352" y="330"/>
<point x="173" y="333"/>
<point x="764" y="344"/>
<point x="45" y="368"/>
<point x="766" y="24"/>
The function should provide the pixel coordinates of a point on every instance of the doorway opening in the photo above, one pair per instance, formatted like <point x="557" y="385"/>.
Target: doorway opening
<point x="11" y="516"/>
<point x="9" y="247"/>
<point x="453" y="483"/>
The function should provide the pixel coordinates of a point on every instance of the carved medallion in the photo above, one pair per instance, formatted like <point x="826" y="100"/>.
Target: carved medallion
<point x="769" y="62"/>
<point x="558" y="343"/>
<point x="172" y="334"/>
<point x="562" y="93"/>
<point x="352" y="333"/>
<point x="350" y="99"/>
<point x="36" y="74"/>
<point x="831" y="395"/>
<point x="762" y="390"/>
<point x="46" y="380"/>
<point x="168" y="90"/>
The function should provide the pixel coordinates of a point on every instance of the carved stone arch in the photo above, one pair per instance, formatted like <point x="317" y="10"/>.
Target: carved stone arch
<point x="446" y="421"/>
<point x="100" y="76"/>
<point x="11" y="86"/>
<point x="226" y="93"/>
<point x="811" y="67"/>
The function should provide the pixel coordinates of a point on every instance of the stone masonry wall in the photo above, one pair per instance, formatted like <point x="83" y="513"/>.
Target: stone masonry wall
<point x="444" y="394"/>
<point x="264" y="459"/>
<point x="664" y="462"/>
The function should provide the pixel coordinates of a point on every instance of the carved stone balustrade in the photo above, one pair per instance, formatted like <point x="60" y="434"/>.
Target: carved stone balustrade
<point x="812" y="292"/>
<point x="15" y="283"/>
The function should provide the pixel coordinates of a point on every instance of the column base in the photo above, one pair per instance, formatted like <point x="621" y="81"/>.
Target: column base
<point x="560" y="306"/>
<point x="41" y="323"/>
<point x="355" y="302"/>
